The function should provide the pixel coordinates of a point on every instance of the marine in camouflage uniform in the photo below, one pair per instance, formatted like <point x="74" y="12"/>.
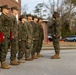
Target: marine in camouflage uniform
<point x="22" y="36"/>
<point x="14" y="42"/>
<point x="0" y="31"/>
<point x="55" y="32"/>
<point x="41" y="37"/>
<point x="5" y="24"/>
<point x="35" y="37"/>
<point x="29" y="46"/>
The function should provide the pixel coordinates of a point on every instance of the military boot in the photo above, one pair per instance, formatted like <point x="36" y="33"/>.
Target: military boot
<point x="14" y="62"/>
<point x="35" y="57"/>
<point x="21" y="61"/>
<point x="39" y="55"/>
<point x="4" y="65"/>
<point x="28" y="59"/>
<point x="56" y="56"/>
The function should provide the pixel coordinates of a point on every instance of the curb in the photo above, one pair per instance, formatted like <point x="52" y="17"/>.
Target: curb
<point x="62" y="48"/>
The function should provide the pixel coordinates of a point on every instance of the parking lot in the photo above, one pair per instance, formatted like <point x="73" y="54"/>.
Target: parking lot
<point x="45" y="66"/>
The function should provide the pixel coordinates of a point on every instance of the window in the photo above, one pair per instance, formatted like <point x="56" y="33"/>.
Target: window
<point x="16" y="0"/>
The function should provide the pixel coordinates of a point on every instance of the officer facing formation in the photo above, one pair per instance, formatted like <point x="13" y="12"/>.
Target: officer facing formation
<point x="5" y="24"/>
<point x="55" y="32"/>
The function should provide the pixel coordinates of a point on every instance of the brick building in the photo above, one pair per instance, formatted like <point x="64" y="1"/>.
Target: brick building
<point x="12" y="3"/>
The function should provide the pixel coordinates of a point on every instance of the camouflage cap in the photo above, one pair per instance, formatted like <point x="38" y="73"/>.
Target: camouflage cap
<point x="35" y="16"/>
<point x="14" y="8"/>
<point x="21" y="17"/>
<point x="40" y="18"/>
<point x="28" y="15"/>
<point x="5" y="7"/>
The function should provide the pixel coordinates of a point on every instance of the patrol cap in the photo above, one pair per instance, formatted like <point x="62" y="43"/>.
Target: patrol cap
<point x="35" y="17"/>
<point x="28" y="15"/>
<point x="21" y="17"/>
<point x="5" y="7"/>
<point x="40" y="18"/>
<point x="14" y="8"/>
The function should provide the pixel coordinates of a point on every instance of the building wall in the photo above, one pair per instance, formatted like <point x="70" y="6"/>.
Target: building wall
<point x="12" y="3"/>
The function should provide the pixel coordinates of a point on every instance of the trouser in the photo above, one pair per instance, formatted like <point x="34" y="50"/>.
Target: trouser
<point x="35" y="47"/>
<point x="39" y="46"/>
<point x="22" y="49"/>
<point x="4" y="49"/>
<point x="0" y="51"/>
<point x="14" y="49"/>
<point x="56" y="45"/>
<point x="29" y="47"/>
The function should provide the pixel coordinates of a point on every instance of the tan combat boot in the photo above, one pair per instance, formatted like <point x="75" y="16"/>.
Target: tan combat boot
<point x="35" y="57"/>
<point x="4" y="65"/>
<point x="56" y="56"/>
<point x="21" y="61"/>
<point x="14" y="62"/>
<point x="29" y="59"/>
<point x="39" y="55"/>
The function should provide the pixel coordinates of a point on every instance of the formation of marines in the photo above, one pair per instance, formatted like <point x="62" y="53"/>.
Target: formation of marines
<point x="25" y="37"/>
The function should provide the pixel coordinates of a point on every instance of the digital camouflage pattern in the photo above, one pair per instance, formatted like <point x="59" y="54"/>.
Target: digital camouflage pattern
<point x="22" y="37"/>
<point x="5" y="24"/>
<point x="35" y="37"/>
<point x="55" y="27"/>
<point x="41" y="37"/>
<point x="29" y="41"/>
<point x="14" y="42"/>
<point x="55" y="32"/>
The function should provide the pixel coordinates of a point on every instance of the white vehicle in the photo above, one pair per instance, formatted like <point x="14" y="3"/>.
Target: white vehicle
<point x="71" y="38"/>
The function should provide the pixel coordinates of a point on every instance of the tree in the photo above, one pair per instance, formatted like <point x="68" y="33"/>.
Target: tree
<point x="24" y="9"/>
<point x="71" y="7"/>
<point x="40" y="10"/>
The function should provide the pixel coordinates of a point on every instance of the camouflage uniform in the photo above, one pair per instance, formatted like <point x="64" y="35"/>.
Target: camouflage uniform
<point x="55" y="32"/>
<point x="5" y="24"/>
<point x="29" y="41"/>
<point x="35" y="38"/>
<point x="0" y="42"/>
<point x="41" y="37"/>
<point x="22" y="35"/>
<point x="14" y="42"/>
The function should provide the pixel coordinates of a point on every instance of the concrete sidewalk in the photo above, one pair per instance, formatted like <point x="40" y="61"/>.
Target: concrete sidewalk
<point x="45" y="66"/>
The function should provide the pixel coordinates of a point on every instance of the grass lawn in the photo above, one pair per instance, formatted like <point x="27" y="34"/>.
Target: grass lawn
<point x="62" y="44"/>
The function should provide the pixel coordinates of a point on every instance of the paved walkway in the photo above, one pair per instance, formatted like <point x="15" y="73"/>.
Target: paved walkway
<point x="45" y="66"/>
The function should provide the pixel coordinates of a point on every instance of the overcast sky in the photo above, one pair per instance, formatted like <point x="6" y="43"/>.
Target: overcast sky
<point x="31" y="3"/>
